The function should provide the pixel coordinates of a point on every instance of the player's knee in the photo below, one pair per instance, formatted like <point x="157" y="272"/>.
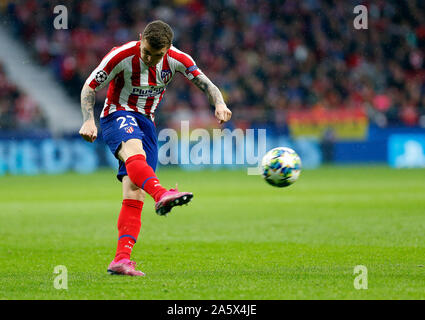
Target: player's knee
<point x="130" y="148"/>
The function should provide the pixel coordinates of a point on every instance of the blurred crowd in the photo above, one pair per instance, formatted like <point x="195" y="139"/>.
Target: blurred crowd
<point x="267" y="56"/>
<point x="17" y="110"/>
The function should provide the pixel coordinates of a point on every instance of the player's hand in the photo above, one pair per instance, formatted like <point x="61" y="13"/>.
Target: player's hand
<point x="222" y="113"/>
<point x="88" y="131"/>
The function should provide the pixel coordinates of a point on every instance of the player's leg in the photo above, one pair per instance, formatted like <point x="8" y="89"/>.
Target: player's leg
<point x="131" y="191"/>
<point x="129" y="220"/>
<point x="139" y="171"/>
<point x="142" y="174"/>
<point x="116" y="128"/>
<point x="129" y="224"/>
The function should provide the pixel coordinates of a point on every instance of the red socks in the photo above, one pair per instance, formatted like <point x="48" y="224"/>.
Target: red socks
<point x="129" y="223"/>
<point x="143" y="176"/>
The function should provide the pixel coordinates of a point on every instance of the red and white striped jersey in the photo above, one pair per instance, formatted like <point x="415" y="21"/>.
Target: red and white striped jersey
<point x="133" y="86"/>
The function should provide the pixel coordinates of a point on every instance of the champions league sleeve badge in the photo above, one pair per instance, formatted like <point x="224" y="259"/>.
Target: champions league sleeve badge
<point x="101" y="76"/>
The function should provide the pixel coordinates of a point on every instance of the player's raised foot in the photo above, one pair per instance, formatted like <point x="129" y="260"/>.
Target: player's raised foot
<point x="124" y="267"/>
<point x="170" y="199"/>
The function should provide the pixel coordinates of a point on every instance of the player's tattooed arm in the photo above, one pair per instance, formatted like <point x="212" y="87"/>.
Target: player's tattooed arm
<point x="212" y="92"/>
<point x="222" y="113"/>
<point x="87" y="102"/>
<point x="88" y="130"/>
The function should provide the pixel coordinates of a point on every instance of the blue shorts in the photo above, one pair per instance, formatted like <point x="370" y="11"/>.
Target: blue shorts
<point x="121" y="126"/>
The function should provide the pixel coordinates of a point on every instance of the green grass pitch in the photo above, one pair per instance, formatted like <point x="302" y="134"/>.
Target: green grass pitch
<point x="238" y="239"/>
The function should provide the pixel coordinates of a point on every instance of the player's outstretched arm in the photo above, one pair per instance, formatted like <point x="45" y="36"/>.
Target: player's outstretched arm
<point x="222" y="113"/>
<point x="88" y="130"/>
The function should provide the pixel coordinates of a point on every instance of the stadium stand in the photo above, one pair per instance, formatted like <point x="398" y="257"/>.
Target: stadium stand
<point x="268" y="57"/>
<point x="18" y="111"/>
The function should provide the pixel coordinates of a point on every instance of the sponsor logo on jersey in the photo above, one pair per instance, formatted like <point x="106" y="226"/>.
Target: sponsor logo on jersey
<point x="166" y="75"/>
<point x="129" y="129"/>
<point x="151" y="92"/>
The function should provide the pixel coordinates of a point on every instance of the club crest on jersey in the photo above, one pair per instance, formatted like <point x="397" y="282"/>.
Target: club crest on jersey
<point x="101" y="76"/>
<point x="166" y="75"/>
<point x="129" y="129"/>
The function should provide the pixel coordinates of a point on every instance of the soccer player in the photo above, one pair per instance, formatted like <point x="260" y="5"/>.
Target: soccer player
<point x="138" y="73"/>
